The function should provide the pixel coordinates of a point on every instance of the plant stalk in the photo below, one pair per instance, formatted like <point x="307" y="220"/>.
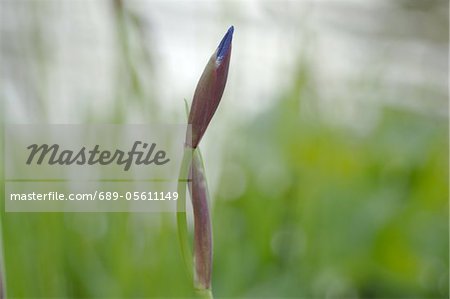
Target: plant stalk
<point x="199" y="269"/>
<point x="183" y="234"/>
<point x="203" y="247"/>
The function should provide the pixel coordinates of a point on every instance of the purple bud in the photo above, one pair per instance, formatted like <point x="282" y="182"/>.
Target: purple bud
<point x="209" y="90"/>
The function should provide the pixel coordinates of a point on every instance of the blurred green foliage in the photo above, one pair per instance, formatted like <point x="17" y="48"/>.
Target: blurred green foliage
<point x="319" y="212"/>
<point x="329" y="213"/>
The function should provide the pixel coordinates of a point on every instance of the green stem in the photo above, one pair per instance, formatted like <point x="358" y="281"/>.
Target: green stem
<point x="205" y="293"/>
<point x="183" y="234"/>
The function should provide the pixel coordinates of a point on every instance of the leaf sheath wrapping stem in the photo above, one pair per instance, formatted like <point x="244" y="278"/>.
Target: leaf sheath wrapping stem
<point x="198" y="190"/>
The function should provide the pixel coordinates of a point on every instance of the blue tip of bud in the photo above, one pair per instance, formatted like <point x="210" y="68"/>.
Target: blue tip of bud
<point x="225" y="44"/>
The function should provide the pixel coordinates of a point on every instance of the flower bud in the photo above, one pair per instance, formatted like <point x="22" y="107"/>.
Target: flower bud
<point x="209" y="90"/>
